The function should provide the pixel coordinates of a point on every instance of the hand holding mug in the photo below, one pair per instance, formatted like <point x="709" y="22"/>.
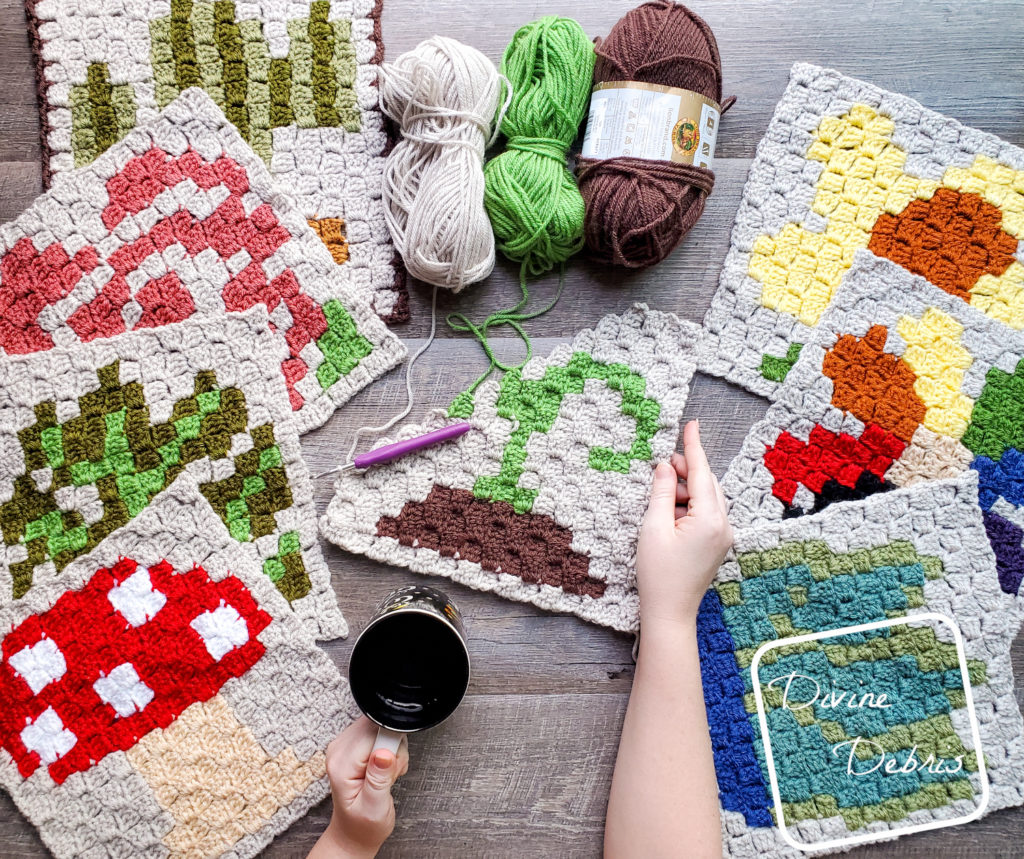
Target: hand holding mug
<point x="361" y="781"/>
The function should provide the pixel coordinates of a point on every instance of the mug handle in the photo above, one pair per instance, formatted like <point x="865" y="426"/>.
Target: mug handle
<point x="387" y="739"/>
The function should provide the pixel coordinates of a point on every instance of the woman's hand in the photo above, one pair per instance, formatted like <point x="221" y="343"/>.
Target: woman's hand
<point x="684" y="537"/>
<point x="364" y="812"/>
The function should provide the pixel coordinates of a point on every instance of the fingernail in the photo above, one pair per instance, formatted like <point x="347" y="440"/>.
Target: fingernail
<point x="382" y="759"/>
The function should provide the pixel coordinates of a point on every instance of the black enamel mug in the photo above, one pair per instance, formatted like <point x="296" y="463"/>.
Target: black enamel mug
<point x="409" y="668"/>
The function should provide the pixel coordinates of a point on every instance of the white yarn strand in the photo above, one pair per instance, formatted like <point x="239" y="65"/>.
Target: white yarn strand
<point x="410" y="397"/>
<point x="444" y="95"/>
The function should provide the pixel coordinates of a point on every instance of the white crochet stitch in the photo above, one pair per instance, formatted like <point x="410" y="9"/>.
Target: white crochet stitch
<point x="121" y="419"/>
<point x="152" y="792"/>
<point x="845" y="165"/>
<point x="542" y="500"/>
<point x="298" y="78"/>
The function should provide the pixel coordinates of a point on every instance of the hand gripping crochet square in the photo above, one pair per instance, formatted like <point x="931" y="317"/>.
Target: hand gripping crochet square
<point x="914" y="551"/>
<point x="902" y="383"/>
<point x="843" y="166"/>
<point x="161" y="699"/>
<point x="297" y="78"/>
<point x="90" y="435"/>
<point x="177" y="220"/>
<point x="542" y="500"/>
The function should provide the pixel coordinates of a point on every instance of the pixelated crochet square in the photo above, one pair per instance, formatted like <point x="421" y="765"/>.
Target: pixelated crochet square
<point x="542" y="500"/>
<point x="846" y="166"/>
<point x="297" y="79"/>
<point x="913" y="551"/>
<point x="91" y="434"/>
<point x="180" y="219"/>
<point x="902" y="383"/>
<point x="159" y="707"/>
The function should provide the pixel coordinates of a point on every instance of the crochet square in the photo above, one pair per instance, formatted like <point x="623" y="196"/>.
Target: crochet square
<point x="180" y="219"/>
<point x="297" y="79"/>
<point x="845" y="166"/>
<point x="90" y="435"/>
<point x="902" y="383"/>
<point x="915" y="551"/>
<point x="160" y="652"/>
<point x="542" y="500"/>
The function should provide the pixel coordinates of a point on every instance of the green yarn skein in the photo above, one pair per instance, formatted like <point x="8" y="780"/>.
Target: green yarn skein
<point x="531" y="197"/>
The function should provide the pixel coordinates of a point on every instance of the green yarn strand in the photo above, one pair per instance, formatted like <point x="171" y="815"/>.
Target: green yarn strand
<point x="531" y="197"/>
<point x="513" y="317"/>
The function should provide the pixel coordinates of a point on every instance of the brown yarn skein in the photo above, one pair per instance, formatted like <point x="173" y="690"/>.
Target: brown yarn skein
<point x="638" y="210"/>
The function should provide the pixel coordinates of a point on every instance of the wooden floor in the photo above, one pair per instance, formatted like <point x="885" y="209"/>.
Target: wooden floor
<point x="523" y="768"/>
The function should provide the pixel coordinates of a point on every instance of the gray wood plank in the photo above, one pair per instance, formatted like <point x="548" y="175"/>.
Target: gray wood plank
<point x="19" y="112"/>
<point x="19" y="133"/>
<point x="16" y="87"/>
<point x="685" y="282"/>
<point x="20" y="183"/>
<point x="509" y="775"/>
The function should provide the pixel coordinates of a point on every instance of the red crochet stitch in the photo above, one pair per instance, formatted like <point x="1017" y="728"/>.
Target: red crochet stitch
<point x="177" y="638"/>
<point x="829" y="456"/>
<point x="32" y="280"/>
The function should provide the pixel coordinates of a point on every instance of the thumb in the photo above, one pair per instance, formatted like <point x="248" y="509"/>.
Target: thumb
<point x="381" y="773"/>
<point x="662" y="506"/>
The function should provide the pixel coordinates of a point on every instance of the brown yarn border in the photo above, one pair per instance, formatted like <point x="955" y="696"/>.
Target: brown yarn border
<point x="36" y="43"/>
<point x="400" y="284"/>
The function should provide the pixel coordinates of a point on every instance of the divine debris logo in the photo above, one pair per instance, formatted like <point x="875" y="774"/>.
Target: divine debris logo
<point x="831" y="726"/>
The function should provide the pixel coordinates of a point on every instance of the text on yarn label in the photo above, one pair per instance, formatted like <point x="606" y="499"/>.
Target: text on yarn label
<point x="653" y="122"/>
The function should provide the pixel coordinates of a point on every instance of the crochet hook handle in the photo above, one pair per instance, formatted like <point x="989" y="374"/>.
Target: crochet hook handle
<point x="400" y="448"/>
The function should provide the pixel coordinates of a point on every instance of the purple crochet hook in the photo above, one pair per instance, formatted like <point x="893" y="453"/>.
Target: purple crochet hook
<point x="401" y="448"/>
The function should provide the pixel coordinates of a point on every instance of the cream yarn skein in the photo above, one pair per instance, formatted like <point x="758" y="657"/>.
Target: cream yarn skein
<point x="444" y="95"/>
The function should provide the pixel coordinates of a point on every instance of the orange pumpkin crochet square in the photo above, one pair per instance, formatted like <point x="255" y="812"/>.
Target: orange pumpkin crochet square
<point x="846" y="166"/>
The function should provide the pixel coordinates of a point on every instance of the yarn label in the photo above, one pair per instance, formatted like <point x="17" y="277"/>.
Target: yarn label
<point x="653" y="122"/>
